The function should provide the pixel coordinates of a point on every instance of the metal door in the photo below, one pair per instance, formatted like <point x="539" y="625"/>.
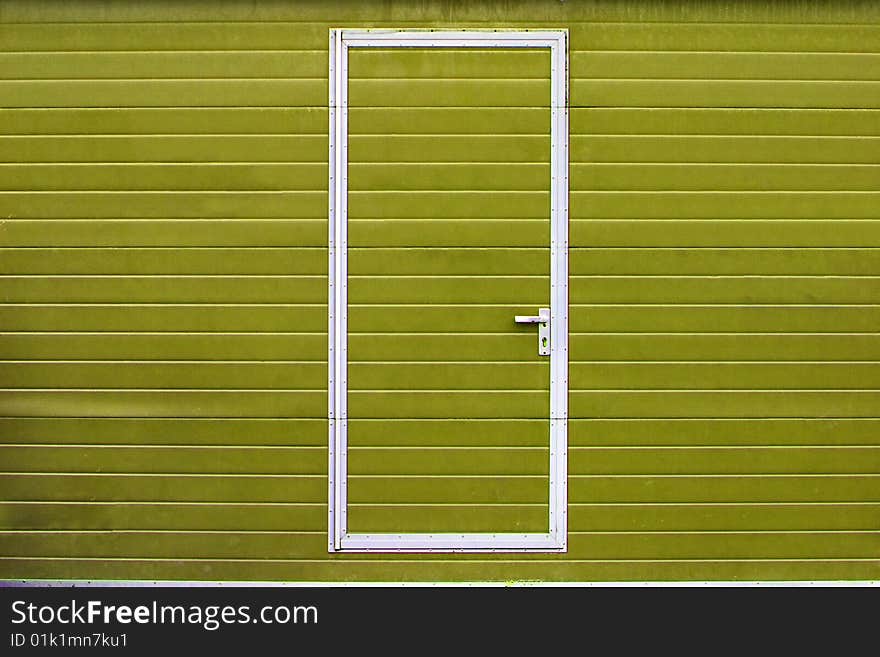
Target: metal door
<point x="448" y="291"/>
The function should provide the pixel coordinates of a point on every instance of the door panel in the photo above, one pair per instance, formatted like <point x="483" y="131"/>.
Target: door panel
<point x="443" y="386"/>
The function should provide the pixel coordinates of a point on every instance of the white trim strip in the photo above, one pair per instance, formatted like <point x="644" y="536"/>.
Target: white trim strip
<point x="379" y="38"/>
<point x="555" y="540"/>
<point x="502" y="542"/>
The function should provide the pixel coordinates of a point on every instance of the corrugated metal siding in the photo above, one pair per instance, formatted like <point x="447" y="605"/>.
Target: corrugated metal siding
<point x="164" y="293"/>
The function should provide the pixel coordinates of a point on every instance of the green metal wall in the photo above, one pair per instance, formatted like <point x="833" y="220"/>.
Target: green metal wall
<point x="163" y="294"/>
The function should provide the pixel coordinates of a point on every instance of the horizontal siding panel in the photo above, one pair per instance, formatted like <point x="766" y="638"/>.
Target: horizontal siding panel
<point x="448" y="261"/>
<point x="164" y="460"/>
<point x="480" y="519"/>
<point x="443" y="347"/>
<point x="721" y="319"/>
<point x="512" y="490"/>
<point x="168" y="232"/>
<point x="155" y="545"/>
<point x="435" y="404"/>
<point x="420" y="318"/>
<point x="164" y="403"/>
<point x="722" y="177"/>
<point x="281" y="317"/>
<point x="114" y="374"/>
<point x="624" y="149"/>
<point x="723" y="205"/>
<point x="622" y="347"/>
<point x="447" y="376"/>
<point x="734" y="347"/>
<point x="725" y="149"/>
<point x="468" y="461"/>
<point x="616" y="461"/>
<point x="723" y="518"/>
<point x="399" y="64"/>
<point x="165" y="120"/>
<point x="586" y="121"/>
<point x="715" y="431"/>
<point x="443" y="205"/>
<point x="859" y="94"/>
<point x="157" y="289"/>
<point x="473" y="232"/>
<point x="169" y="261"/>
<point x="616" y="403"/>
<point x="162" y="346"/>
<point x="165" y="148"/>
<point x="414" y="347"/>
<point x="452" y="148"/>
<point x="415" y="569"/>
<point x="164" y="431"/>
<point x="648" y="64"/>
<point x="627" y="489"/>
<point x="773" y="122"/>
<point x="125" y="317"/>
<point x="476" y="121"/>
<point x="632" y="518"/>
<point x="289" y="122"/>
<point x="485" y="92"/>
<point x="489" y="432"/>
<point x="283" y="177"/>
<point x="480" y="404"/>
<point x="626" y="432"/>
<point x="313" y="517"/>
<point x="489" y="261"/>
<point x="164" y="177"/>
<point x="725" y="233"/>
<point x="308" y="92"/>
<point x="511" y="14"/>
<point x="789" y="488"/>
<point x="168" y="35"/>
<point x="488" y="148"/>
<point x="521" y="290"/>
<point x="453" y="177"/>
<point x="164" y="488"/>
<point x="676" y="34"/>
<point x="721" y="460"/>
<point x="729" y="403"/>
<point x="162" y="516"/>
<point x="720" y="289"/>
<point x="604" y="318"/>
<point x="592" y="376"/>
<point x="158" y="205"/>
<point x="725" y="376"/>
<point x="149" y="65"/>
<point x="448" y="205"/>
<point x="627" y="30"/>
<point x="719" y="262"/>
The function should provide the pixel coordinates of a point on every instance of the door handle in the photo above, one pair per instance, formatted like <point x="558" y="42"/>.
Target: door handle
<point x="542" y="319"/>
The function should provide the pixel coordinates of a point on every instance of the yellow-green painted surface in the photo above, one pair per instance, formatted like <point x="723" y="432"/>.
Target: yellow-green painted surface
<point x="163" y="300"/>
<point x="470" y="362"/>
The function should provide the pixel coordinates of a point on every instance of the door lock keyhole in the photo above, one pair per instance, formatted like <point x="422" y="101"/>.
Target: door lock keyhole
<point x="542" y="319"/>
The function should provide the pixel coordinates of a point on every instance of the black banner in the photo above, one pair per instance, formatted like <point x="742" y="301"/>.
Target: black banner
<point x="56" y="620"/>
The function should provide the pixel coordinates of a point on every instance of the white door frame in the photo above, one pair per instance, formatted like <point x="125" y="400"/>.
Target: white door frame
<point x="555" y="540"/>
